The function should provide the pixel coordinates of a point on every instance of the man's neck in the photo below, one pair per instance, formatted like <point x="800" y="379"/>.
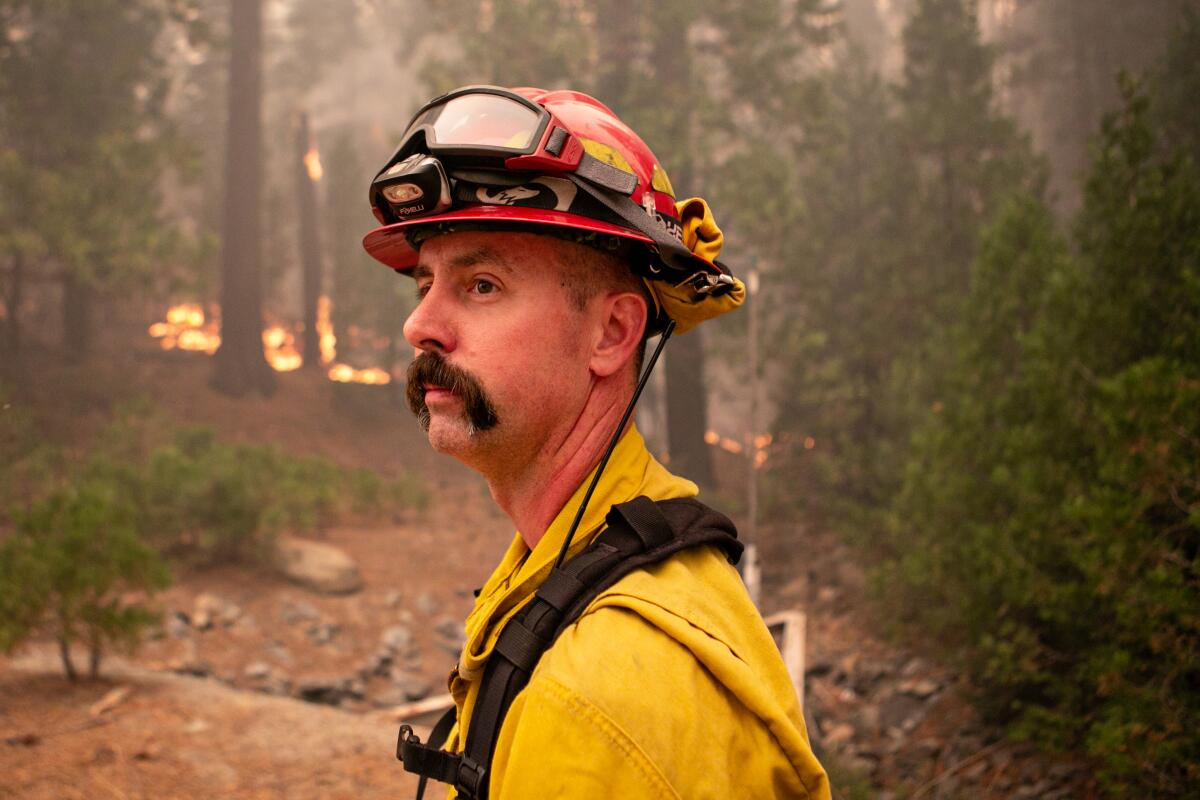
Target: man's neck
<point x="534" y="495"/>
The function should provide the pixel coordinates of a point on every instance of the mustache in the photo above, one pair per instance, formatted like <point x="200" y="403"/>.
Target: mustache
<point x="432" y="369"/>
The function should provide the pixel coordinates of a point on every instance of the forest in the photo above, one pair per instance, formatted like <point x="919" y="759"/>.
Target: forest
<point x="971" y="352"/>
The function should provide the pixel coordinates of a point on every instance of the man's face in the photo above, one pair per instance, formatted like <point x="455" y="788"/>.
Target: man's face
<point x="502" y="355"/>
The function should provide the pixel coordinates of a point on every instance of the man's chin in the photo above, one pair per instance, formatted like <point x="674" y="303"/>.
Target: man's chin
<point x="452" y="434"/>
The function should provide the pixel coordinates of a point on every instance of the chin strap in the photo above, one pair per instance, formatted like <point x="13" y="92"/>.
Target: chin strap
<point x="668" y="329"/>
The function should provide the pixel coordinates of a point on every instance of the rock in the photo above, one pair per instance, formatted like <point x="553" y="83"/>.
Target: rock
<point x="230" y="614"/>
<point x="413" y="687"/>
<point x="330" y="691"/>
<point x="920" y="689"/>
<point x="206" y="609"/>
<point x="392" y="599"/>
<point x="196" y="726"/>
<point x="257" y="671"/>
<point x="450" y="635"/>
<point x="427" y="604"/>
<point x="298" y="611"/>
<point x="323" y="633"/>
<point x="280" y="653"/>
<point x="396" y="639"/>
<point x="317" y="566"/>
<point x="196" y="669"/>
<point x="179" y="625"/>
<point x="378" y="663"/>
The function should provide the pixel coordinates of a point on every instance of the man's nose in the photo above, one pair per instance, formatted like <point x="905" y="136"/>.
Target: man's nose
<point x="429" y="326"/>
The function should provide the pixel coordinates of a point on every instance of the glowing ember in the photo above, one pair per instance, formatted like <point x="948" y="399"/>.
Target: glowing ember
<point x="711" y="437"/>
<point x="809" y="443"/>
<point x="731" y="446"/>
<point x="312" y="162"/>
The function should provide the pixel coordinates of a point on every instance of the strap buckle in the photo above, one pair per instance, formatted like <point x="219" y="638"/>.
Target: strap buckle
<point x="708" y="284"/>
<point x="471" y="779"/>
<point x="405" y="737"/>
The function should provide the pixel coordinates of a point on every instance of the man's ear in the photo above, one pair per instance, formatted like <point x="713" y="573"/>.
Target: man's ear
<point x="622" y="322"/>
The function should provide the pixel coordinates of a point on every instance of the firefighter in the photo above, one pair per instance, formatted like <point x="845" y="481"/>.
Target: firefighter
<point x="547" y="246"/>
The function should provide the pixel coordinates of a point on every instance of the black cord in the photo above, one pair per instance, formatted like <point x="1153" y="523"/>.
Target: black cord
<point x="612" y="445"/>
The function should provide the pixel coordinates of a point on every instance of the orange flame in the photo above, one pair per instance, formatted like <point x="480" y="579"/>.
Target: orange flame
<point x="279" y="347"/>
<point x="325" y="331"/>
<point x="312" y="162"/>
<point x="187" y="327"/>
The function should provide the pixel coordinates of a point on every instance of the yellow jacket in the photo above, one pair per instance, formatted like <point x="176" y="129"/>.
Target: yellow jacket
<point x="668" y="685"/>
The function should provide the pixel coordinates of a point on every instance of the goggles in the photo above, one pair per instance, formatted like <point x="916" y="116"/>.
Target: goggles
<point x="485" y="144"/>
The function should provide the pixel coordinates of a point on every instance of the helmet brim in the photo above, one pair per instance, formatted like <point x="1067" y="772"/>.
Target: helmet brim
<point x="389" y="244"/>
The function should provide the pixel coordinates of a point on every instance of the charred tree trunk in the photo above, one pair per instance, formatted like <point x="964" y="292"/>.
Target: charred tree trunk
<point x="687" y="396"/>
<point x="310" y="242"/>
<point x="240" y="365"/>
<point x="76" y="313"/>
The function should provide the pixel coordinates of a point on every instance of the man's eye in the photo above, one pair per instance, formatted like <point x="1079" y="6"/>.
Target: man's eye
<point x="422" y="290"/>
<point x="484" y="286"/>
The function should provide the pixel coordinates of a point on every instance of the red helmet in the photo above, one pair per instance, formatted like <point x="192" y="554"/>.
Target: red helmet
<point x="528" y="156"/>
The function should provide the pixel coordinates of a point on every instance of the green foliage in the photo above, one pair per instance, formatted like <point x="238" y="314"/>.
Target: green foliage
<point x="895" y="184"/>
<point x="68" y="568"/>
<point x="1049" y="523"/>
<point x="84" y="139"/>
<point x="202" y="499"/>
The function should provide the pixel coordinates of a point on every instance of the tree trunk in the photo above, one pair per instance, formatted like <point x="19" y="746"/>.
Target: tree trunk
<point x="64" y="653"/>
<point x="240" y="365"/>
<point x="12" y="305"/>
<point x="617" y="35"/>
<point x="310" y="243"/>
<point x="687" y="396"/>
<point x="76" y="312"/>
<point x="95" y="655"/>
<point x="687" y="409"/>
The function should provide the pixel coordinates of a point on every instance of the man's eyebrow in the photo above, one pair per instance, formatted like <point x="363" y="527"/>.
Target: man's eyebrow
<point x="471" y="258"/>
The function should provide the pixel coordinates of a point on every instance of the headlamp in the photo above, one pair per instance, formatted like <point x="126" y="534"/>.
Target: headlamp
<point x="414" y="187"/>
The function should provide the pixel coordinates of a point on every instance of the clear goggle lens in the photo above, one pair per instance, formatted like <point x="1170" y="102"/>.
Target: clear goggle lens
<point x="487" y="120"/>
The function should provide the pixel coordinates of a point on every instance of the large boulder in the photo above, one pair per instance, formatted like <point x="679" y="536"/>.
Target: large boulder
<point x="317" y="566"/>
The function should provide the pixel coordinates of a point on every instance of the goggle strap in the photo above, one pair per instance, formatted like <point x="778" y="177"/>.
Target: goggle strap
<point x="492" y="177"/>
<point x="606" y="175"/>
<point x="672" y="251"/>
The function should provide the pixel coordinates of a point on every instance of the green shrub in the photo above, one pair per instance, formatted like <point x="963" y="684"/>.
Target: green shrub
<point x="207" y="500"/>
<point x="69" y="569"/>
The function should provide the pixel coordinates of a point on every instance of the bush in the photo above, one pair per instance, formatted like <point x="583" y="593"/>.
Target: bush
<point x="211" y="501"/>
<point x="70" y="569"/>
<point x="94" y="530"/>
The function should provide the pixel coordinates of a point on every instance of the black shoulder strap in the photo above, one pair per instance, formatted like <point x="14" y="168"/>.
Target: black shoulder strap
<point x="638" y="534"/>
